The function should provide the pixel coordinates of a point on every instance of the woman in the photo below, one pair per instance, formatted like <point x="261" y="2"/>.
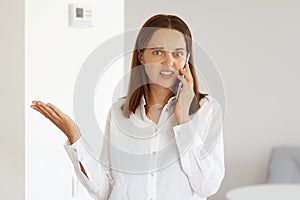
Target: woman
<point x="169" y="148"/>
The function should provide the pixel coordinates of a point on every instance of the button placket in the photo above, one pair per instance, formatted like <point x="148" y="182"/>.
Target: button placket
<point x="152" y="175"/>
<point x="152" y="188"/>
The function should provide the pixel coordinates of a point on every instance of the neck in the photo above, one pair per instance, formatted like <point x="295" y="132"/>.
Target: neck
<point x="159" y="95"/>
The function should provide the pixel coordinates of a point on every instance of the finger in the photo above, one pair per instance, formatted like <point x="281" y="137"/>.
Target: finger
<point x="187" y="67"/>
<point x="42" y="112"/>
<point x="36" y="105"/>
<point x="37" y="109"/>
<point x="183" y="80"/>
<point x="48" y="112"/>
<point x="57" y="111"/>
<point x="187" y="74"/>
<point x="51" y="111"/>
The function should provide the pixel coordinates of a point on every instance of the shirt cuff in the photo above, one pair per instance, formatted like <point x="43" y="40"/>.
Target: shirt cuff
<point x="81" y="150"/>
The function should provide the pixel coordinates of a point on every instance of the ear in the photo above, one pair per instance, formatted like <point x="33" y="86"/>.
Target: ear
<point x="140" y="56"/>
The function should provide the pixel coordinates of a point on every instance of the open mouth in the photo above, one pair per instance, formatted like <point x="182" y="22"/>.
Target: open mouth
<point x="166" y="74"/>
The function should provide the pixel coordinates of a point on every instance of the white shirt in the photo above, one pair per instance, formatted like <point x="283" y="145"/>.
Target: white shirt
<point x="141" y="160"/>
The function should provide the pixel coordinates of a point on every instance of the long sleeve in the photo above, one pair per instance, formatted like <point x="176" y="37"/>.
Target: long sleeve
<point x="99" y="181"/>
<point x="201" y="149"/>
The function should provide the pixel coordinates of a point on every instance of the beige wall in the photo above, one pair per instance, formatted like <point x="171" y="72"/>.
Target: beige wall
<point x="12" y="100"/>
<point x="255" y="45"/>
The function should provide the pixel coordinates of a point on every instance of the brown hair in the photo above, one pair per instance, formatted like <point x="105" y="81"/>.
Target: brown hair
<point x="138" y="84"/>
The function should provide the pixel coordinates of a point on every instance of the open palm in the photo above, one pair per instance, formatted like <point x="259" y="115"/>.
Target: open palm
<point x="58" y="118"/>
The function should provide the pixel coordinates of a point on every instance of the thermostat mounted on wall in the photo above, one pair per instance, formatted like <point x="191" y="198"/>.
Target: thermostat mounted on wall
<point x="80" y="15"/>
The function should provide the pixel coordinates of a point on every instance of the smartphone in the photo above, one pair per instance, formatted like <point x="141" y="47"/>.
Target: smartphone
<point x="180" y="83"/>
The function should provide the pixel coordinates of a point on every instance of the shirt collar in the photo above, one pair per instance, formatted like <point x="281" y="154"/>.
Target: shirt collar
<point x="171" y="101"/>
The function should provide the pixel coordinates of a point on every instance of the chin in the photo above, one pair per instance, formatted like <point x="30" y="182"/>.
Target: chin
<point x="170" y="86"/>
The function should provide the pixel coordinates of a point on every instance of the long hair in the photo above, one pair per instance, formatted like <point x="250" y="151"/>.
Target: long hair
<point x="138" y="86"/>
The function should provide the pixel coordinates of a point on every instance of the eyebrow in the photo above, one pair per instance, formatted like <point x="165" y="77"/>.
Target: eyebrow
<point x="152" y="48"/>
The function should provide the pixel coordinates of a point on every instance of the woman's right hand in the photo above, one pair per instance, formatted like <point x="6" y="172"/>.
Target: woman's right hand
<point x="59" y="119"/>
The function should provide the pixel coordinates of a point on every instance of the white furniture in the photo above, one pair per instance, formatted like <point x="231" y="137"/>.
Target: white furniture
<point x="265" y="192"/>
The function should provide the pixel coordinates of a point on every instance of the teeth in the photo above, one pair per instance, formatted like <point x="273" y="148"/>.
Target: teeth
<point x="166" y="73"/>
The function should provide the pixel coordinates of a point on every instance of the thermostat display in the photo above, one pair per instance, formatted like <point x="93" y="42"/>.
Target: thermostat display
<point x="80" y="16"/>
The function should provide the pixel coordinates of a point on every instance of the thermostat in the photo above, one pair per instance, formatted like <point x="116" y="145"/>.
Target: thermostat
<point x="80" y="16"/>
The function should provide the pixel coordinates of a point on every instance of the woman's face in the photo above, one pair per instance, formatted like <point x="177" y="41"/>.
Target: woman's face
<point x="163" y="56"/>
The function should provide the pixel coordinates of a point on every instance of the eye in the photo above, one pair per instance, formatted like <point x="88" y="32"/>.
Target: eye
<point x="179" y="54"/>
<point x="157" y="52"/>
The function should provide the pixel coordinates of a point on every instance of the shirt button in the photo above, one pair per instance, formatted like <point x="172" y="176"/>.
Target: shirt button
<point x="156" y="130"/>
<point x="152" y="174"/>
<point x="167" y="110"/>
<point x="153" y="152"/>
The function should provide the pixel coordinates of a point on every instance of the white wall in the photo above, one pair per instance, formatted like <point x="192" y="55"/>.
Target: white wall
<point x="54" y="55"/>
<point x="12" y="99"/>
<point x="255" y="45"/>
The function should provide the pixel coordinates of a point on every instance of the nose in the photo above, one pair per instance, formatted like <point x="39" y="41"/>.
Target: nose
<point x="168" y="59"/>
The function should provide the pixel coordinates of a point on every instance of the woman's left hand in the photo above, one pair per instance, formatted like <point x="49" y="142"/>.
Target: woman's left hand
<point x="186" y="95"/>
